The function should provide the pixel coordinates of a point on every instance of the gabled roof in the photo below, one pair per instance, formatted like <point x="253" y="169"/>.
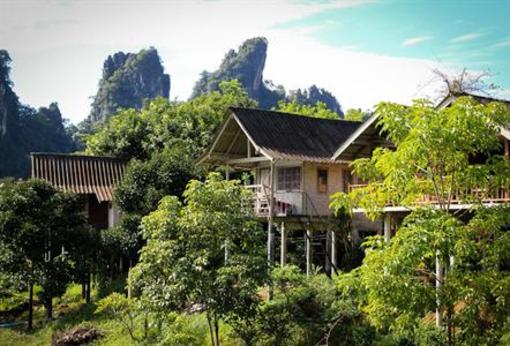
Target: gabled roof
<point x="448" y="100"/>
<point x="287" y="136"/>
<point x="96" y="175"/>
<point x="283" y="135"/>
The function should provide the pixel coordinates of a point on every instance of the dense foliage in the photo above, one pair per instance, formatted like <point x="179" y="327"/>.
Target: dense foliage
<point x="313" y="95"/>
<point x="209" y="252"/>
<point x="43" y="236"/>
<point x="128" y="80"/>
<point x="319" y="110"/>
<point x="444" y="259"/>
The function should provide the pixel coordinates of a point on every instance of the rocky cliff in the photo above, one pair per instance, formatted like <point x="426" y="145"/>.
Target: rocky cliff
<point x="247" y="66"/>
<point x="312" y="95"/>
<point x="128" y="79"/>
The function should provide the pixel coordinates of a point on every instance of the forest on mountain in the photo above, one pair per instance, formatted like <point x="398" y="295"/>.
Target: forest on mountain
<point x="24" y="129"/>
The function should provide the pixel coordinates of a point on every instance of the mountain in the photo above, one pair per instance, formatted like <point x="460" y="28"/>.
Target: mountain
<point x="247" y="66"/>
<point x="312" y="95"/>
<point x="129" y="79"/>
<point x="24" y="129"/>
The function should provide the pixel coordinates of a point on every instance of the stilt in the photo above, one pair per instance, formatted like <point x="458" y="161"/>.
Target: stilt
<point x="283" y="246"/>
<point x="387" y="228"/>
<point x="327" y="259"/>
<point x="270" y="233"/>
<point x="333" y="250"/>
<point x="227" y="177"/>
<point x="308" y="252"/>
<point x="439" y="283"/>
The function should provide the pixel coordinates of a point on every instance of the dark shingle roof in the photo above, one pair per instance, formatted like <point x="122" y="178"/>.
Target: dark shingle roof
<point x="291" y="136"/>
<point x="97" y="175"/>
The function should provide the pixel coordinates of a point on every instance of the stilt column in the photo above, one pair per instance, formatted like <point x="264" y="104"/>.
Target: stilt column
<point x="387" y="228"/>
<point x="308" y="250"/>
<point x="283" y="246"/>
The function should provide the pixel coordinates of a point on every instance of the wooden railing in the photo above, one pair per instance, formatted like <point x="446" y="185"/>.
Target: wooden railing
<point x="466" y="196"/>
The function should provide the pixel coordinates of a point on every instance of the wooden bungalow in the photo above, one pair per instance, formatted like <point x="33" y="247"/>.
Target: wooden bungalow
<point x="296" y="164"/>
<point x="92" y="177"/>
<point x="294" y="174"/>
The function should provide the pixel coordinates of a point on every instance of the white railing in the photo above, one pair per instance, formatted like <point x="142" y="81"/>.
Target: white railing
<point x="261" y="199"/>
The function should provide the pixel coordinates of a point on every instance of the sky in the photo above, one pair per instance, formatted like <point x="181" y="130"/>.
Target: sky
<point x="362" y="51"/>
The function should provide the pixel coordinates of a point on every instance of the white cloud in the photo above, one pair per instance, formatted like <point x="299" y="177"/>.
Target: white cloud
<point x="63" y="62"/>
<point x="500" y="44"/>
<point x="467" y="37"/>
<point x="416" y="40"/>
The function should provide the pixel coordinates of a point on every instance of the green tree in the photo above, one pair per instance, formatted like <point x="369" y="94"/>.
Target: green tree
<point x="354" y="114"/>
<point x="209" y="251"/>
<point x="452" y="261"/>
<point x="320" y="110"/>
<point x="162" y="124"/>
<point x="37" y="225"/>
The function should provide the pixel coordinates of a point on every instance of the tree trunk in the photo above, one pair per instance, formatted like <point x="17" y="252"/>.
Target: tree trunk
<point x="87" y="297"/>
<point x="30" y="306"/>
<point x="83" y="289"/>
<point x="217" y="331"/>
<point x="210" y="329"/>
<point x="49" y="309"/>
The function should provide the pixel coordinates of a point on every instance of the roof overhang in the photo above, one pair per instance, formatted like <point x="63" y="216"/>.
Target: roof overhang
<point x="352" y="138"/>
<point x="213" y="156"/>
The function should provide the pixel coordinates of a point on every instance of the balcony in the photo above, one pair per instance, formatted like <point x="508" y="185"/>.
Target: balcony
<point x="459" y="197"/>
<point x="286" y="203"/>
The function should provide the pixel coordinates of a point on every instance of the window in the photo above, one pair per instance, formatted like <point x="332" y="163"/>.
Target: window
<point x="289" y="178"/>
<point x="322" y="180"/>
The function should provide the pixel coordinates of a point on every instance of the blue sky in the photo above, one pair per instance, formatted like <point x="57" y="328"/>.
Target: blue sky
<point x="471" y="34"/>
<point x="362" y="51"/>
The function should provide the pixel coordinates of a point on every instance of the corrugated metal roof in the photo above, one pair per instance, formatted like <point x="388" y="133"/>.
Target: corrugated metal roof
<point x="291" y="136"/>
<point x="97" y="175"/>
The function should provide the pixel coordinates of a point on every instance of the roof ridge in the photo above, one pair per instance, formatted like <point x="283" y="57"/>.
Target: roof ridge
<point x="71" y="155"/>
<point x="293" y="115"/>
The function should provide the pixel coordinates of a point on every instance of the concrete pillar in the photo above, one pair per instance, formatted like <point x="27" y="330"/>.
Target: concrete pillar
<point x="308" y="251"/>
<point x="439" y="283"/>
<point x="387" y="227"/>
<point x="333" y="249"/>
<point x="283" y="246"/>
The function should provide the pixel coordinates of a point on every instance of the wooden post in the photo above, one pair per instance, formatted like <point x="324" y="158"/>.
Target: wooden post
<point x="283" y="246"/>
<point x="327" y="263"/>
<point x="506" y="156"/>
<point x="387" y="228"/>
<point x="309" y="253"/>
<point x="270" y="234"/>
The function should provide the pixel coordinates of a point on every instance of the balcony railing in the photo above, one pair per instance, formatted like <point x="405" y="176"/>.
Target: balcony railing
<point x="465" y="196"/>
<point x="261" y="202"/>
